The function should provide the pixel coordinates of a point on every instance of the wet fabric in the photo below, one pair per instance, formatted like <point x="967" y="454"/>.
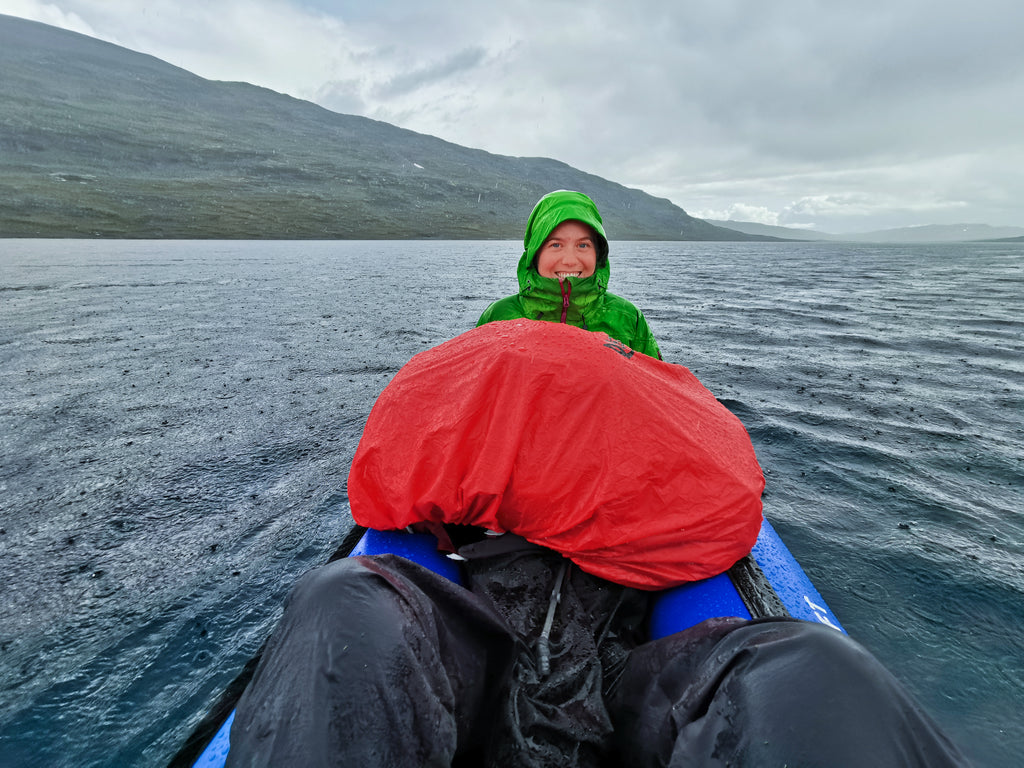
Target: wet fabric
<point x="770" y="692"/>
<point x="586" y="300"/>
<point x="555" y="716"/>
<point x="625" y="464"/>
<point x="380" y="662"/>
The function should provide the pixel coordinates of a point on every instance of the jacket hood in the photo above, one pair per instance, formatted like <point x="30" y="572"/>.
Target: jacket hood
<point x="550" y="211"/>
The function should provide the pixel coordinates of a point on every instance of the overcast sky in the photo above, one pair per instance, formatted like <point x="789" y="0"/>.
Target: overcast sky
<point x="842" y="115"/>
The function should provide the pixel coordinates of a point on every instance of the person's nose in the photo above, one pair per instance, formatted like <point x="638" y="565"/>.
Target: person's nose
<point x="571" y="258"/>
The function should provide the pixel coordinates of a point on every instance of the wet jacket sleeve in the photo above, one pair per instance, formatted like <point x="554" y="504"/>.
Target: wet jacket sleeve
<point x="644" y="340"/>
<point x="508" y="308"/>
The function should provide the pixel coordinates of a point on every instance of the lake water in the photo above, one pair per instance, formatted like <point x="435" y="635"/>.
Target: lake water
<point x="177" y="420"/>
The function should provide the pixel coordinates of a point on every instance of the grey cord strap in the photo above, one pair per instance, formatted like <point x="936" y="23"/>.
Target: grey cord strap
<point x="543" y="642"/>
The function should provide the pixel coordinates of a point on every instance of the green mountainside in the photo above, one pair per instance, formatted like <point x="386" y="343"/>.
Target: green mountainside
<point x="100" y="141"/>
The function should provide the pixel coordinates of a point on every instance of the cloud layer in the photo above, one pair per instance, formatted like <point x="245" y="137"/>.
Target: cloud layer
<point x="841" y="115"/>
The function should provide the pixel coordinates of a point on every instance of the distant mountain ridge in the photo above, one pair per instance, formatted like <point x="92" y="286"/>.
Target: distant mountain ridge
<point x="769" y="230"/>
<point x="934" y="233"/>
<point x="941" y="233"/>
<point x="100" y="141"/>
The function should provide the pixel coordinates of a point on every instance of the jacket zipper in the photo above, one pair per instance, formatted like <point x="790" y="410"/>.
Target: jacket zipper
<point x="566" y="288"/>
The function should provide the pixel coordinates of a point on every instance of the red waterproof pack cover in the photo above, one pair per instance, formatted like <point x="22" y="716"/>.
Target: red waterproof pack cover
<point x="625" y="464"/>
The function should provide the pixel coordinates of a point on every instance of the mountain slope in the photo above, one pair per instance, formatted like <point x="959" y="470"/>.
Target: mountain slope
<point x="769" y="230"/>
<point x="97" y="140"/>
<point x="939" y="233"/>
<point x="935" y="233"/>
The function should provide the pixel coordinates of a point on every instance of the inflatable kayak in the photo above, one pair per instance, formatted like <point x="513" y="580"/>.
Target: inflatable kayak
<point x="768" y="582"/>
<point x="630" y="469"/>
<point x="623" y="464"/>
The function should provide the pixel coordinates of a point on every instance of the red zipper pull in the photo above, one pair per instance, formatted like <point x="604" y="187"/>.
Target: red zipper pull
<point x="566" y="287"/>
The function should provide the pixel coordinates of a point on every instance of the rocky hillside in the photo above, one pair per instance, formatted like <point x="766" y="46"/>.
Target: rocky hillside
<point x="100" y="141"/>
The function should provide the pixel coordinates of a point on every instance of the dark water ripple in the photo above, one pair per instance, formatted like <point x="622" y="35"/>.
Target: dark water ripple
<point x="177" y="420"/>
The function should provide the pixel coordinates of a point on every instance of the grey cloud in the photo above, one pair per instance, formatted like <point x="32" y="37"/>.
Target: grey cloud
<point x="430" y="74"/>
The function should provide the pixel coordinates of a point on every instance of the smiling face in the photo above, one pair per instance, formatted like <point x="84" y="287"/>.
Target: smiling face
<point x="569" y="251"/>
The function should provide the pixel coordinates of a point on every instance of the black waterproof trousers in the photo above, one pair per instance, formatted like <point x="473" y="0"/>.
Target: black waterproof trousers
<point x="380" y="662"/>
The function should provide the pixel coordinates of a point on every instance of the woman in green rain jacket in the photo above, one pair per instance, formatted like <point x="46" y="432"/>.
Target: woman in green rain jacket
<point x="563" y="275"/>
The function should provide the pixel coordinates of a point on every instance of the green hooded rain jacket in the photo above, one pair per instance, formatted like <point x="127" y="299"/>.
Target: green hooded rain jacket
<point x="586" y="301"/>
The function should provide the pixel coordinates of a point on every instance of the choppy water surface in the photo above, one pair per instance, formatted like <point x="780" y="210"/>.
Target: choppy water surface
<point x="177" y="420"/>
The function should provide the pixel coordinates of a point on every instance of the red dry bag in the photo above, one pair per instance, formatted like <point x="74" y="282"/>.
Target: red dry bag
<point x="625" y="464"/>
